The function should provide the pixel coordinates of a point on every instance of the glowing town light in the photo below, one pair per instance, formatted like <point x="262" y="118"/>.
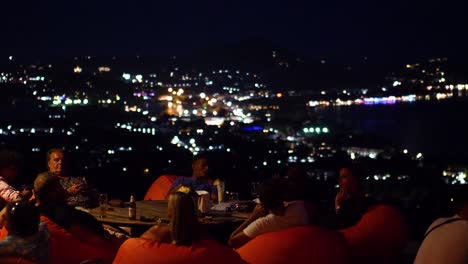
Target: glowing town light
<point x="353" y="156"/>
<point x="85" y="101"/>
<point x="419" y="155"/>
<point x="126" y="76"/>
<point x="325" y="130"/>
<point x="175" y="140"/>
<point x="180" y="92"/>
<point x="68" y="101"/>
<point x="279" y="95"/>
<point x="405" y="151"/>
<point x="215" y="113"/>
<point x="306" y="130"/>
<point x="396" y="83"/>
<point x="109" y="101"/>
<point x="77" y="69"/>
<point x="139" y="77"/>
<point x="202" y="95"/>
<point x="194" y="112"/>
<point x="317" y="130"/>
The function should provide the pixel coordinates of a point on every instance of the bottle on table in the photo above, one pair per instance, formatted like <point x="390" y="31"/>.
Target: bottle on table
<point x="132" y="208"/>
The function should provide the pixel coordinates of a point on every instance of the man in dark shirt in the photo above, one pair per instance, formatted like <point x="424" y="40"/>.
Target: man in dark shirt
<point x="199" y="180"/>
<point x="52" y="203"/>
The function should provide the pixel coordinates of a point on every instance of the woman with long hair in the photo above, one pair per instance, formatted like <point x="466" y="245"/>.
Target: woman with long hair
<point x="183" y="228"/>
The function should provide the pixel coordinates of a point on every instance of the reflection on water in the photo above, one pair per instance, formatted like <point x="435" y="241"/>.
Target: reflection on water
<point x="437" y="129"/>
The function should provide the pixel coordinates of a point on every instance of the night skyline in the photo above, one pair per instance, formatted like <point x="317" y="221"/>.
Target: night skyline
<point x="347" y="31"/>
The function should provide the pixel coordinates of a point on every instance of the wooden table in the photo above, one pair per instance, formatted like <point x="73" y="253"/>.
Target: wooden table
<point x="154" y="212"/>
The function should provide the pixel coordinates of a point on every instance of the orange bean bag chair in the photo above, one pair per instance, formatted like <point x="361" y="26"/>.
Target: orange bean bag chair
<point x="302" y="244"/>
<point x="160" y="187"/>
<point x="3" y="233"/>
<point x="142" y="251"/>
<point x="65" y="248"/>
<point x="379" y="237"/>
<point x="16" y="260"/>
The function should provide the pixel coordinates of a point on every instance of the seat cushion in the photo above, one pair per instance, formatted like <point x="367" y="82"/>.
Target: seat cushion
<point x="65" y="248"/>
<point x="160" y="187"/>
<point x="379" y="237"/>
<point x="140" y="250"/>
<point x="303" y="244"/>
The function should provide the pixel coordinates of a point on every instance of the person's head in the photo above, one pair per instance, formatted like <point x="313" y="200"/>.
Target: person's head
<point x="350" y="179"/>
<point x="47" y="188"/>
<point x="10" y="162"/>
<point x="55" y="161"/>
<point x="183" y="215"/>
<point x="200" y="166"/>
<point x="271" y="194"/>
<point x="21" y="218"/>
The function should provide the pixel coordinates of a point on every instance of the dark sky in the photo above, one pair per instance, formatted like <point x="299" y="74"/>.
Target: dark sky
<point x="387" y="30"/>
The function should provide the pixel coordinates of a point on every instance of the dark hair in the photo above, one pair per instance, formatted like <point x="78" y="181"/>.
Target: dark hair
<point x="44" y="186"/>
<point x="271" y="193"/>
<point x="356" y="170"/>
<point x="199" y="157"/>
<point x="9" y="159"/>
<point x="52" y="150"/>
<point x="22" y="219"/>
<point x="184" y="222"/>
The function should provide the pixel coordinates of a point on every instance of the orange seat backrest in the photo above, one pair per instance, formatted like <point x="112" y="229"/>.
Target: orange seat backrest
<point x="160" y="187"/>
<point x="303" y="244"/>
<point x="142" y="251"/>
<point x="65" y="248"/>
<point x="379" y="237"/>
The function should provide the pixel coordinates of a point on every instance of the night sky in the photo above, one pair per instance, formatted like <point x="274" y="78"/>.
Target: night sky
<point x="384" y="30"/>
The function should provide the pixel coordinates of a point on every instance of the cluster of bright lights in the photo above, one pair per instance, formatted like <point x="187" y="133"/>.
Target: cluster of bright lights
<point x="457" y="87"/>
<point x="10" y="130"/>
<point x="62" y="100"/>
<point x="37" y="79"/>
<point x="455" y="177"/>
<point x="142" y="130"/>
<point x="315" y="130"/>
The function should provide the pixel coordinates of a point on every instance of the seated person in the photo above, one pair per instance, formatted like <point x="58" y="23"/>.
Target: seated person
<point x="350" y="201"/>
<point x="9" y="165"/>
<point x="182" y="241"/>
<point x="299" y="187"/>
<point x="79" y="194"/>
<point x="199" y="180"/>
<point x="446" y="240"/>
<point x="52" y="203"/>
<point x="27" y="236"/>
<point x="272" y="214"/>
<point x="183" y="228"/>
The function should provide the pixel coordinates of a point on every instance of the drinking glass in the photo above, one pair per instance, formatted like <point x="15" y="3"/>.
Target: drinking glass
<point x="103" y="200"/>
<point x="234" y="196"/>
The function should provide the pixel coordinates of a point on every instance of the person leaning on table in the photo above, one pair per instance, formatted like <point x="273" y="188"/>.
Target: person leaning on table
<point x="271" y="214"/>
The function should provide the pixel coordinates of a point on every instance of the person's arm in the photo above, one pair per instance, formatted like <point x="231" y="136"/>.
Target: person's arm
<point x="238" y="237"/>
<point x="8" y="193"/>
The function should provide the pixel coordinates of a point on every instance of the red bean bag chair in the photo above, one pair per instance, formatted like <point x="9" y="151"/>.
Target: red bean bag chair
<point x="65" y="248"/>
<point x="142" y="251"/>
<point x="3" y="233"/>
<point x="379" y="237"/>
<point x="302" y="244"/>
<point x="16" y="260"/>
<point x="160" y="187"/>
